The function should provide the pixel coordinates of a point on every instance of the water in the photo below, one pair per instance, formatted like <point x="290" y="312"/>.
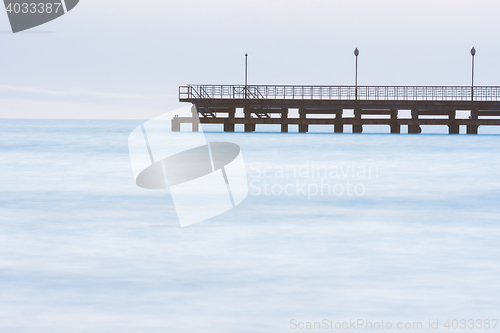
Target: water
<point x="412" y="237"/>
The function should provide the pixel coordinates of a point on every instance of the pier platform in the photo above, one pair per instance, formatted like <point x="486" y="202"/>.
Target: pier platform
<point x="368" y="105"/>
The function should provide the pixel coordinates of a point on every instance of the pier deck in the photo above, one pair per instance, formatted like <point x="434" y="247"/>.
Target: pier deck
<point x="217" y="104"/>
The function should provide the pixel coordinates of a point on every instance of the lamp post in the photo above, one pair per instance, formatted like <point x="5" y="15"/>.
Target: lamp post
<point x="473" y="53"/>
<point x="246" y="73"/>
<point x="356" y="53"/>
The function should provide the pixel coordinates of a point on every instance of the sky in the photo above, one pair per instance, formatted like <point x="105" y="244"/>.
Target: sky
<point x="120" y="59"/>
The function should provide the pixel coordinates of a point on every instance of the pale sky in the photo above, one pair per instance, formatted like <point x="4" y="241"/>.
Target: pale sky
<point x="126" y="59"/>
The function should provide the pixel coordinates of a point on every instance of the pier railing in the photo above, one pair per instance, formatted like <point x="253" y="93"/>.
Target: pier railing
<point x="416" y="93"/>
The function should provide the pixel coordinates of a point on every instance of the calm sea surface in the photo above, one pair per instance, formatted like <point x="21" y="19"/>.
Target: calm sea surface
<point x="336" y="227"/>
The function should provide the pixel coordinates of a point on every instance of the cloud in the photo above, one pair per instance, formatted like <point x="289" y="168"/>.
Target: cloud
<point x="33" y="102"/>
<point x="75" y="93"/>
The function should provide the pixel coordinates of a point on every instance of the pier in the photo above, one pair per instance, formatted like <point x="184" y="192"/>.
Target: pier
<point x="371" y="105"/>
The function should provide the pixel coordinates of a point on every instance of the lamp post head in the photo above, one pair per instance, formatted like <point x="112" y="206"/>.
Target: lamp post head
<point x="356" y="52"/>
<point x="246" y="54"/>
<point x="473" y="51"/>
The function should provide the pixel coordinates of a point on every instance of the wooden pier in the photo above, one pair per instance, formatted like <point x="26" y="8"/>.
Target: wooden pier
<point x="429" y="105"/>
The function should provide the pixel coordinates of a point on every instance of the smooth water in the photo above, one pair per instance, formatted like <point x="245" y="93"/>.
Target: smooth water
<point x="399" y="228"/>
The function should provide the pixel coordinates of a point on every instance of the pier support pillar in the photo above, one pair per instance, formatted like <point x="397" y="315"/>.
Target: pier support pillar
<point x="357" y="116"/>
<point x="229" y="122"/>
<point x="195" y="120"/>
<point x="284" y="120"/>
<point x="472" y="129"/>
<point x="395" y="127"/>
<point x="339" y="122"/>
<point x="176" y="124"/>
<point x="414" y="129"/>
<point x="249" y="127"/>
<point x="303" y="127"/>
<point x="453" y="127"/>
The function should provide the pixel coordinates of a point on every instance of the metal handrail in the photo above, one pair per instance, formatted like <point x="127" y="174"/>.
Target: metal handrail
<point x="202" y="99"/>
<point x="410" y="93"/>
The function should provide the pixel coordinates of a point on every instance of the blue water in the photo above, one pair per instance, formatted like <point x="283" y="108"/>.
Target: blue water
<point x="412" y="237"/>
